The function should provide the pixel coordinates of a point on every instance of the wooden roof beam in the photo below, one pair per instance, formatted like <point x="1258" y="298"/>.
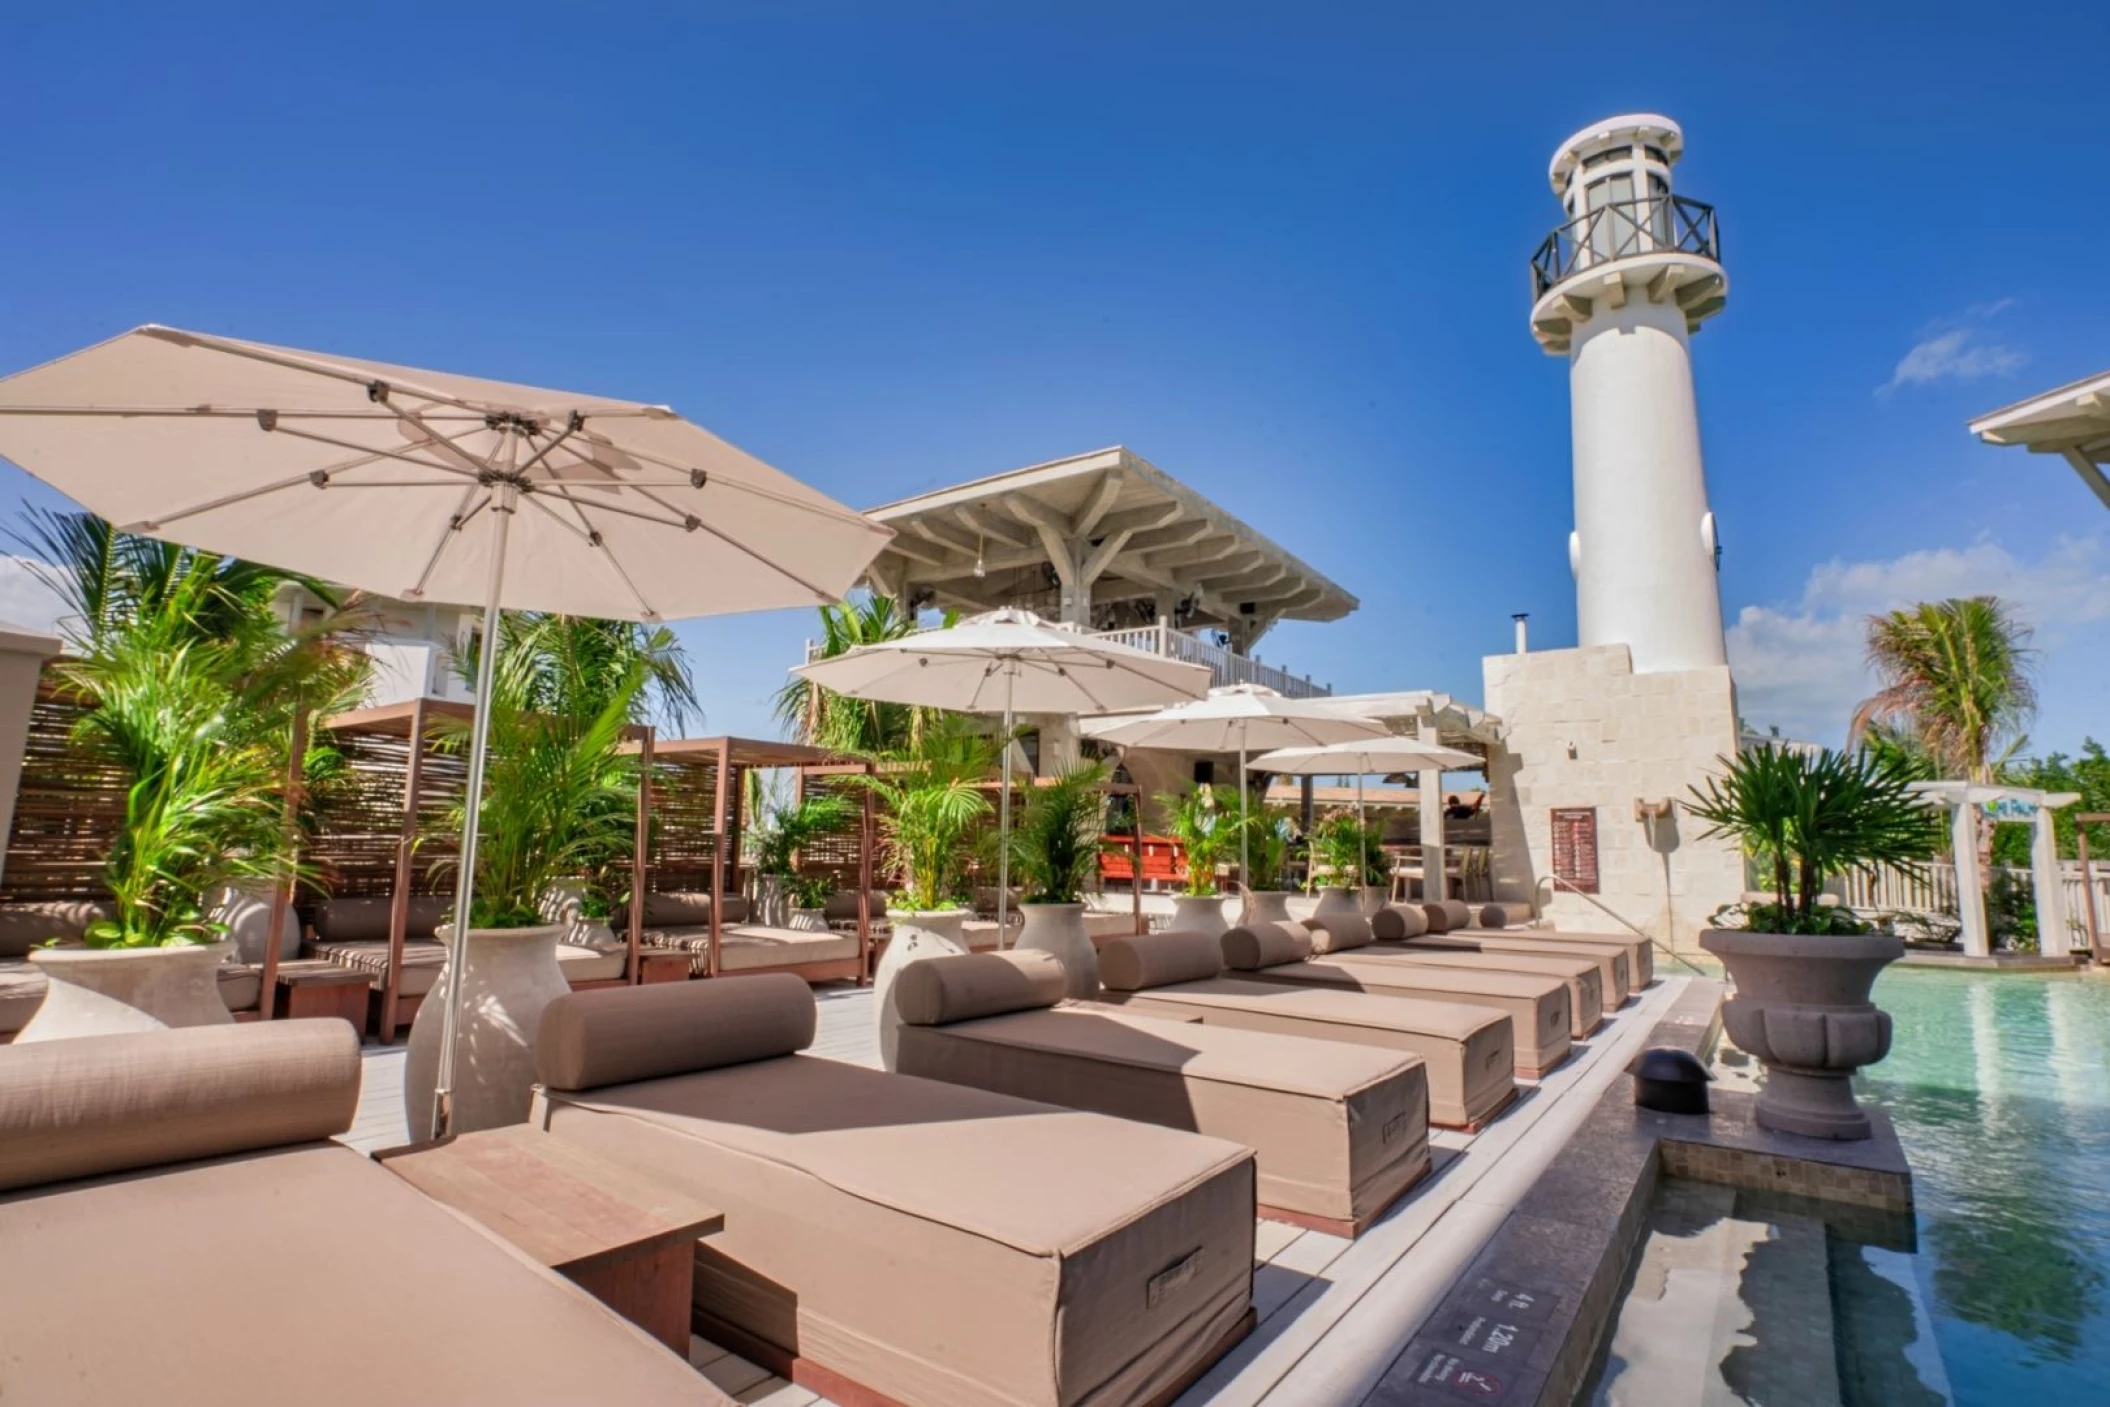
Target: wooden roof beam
<point x="1102" y="498"/>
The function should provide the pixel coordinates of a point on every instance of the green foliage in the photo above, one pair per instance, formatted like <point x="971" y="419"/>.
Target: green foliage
<point x="929" y="807"/>
<point x="1206" y="831"/>
<point x="1268" y="837"/>
<point x="788" y="829"/>
<point x="560" y="795"/>
<point x="866" y="727"/>
<point x="1056" y="842"/>
<point x="577" y="665"/>
<point x="1353" y="853"/>
<point x="193" y="684"/>
<point x="1811" y="816"/>
<point x="2089" y="775"/>
<point x="1956" y="677"/>
<point x="810" y="891"/>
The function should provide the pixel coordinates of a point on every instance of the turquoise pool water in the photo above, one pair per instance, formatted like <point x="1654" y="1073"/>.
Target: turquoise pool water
<point x="2000" y="1088"/>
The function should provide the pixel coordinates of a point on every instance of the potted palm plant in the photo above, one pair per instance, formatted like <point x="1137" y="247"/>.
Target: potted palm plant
<point x="785" y="831"/>
<point x="1267" y="845"/>
<point x="190" y="683"/>
<point x="1055" y="850"/>
<point x="1342" y="845"/>
<point x="929" y="808"/>
<point x="559" y="802"/>
<point x="1804" y="970"/>
<point x="1206" y="833"/>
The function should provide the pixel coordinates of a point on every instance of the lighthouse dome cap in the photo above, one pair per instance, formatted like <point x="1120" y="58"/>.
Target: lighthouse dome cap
<point x="1652" y="128"/>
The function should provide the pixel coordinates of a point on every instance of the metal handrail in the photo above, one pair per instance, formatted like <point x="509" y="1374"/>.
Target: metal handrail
<point x="1672" y="953"/>
<point x="1625" y="229"/>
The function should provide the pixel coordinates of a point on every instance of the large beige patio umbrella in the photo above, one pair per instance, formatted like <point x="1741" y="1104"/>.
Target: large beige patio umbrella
<point x="1233" y="719"/>
<point x="1364" y="757"/>
<point x="429" y="487"/>
<point x="1008" y="661"/>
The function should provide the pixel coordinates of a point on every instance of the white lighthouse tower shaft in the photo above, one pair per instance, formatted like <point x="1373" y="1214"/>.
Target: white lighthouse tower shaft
<point x="1620" y="288"/>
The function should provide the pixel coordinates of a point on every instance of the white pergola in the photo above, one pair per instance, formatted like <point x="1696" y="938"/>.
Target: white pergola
<point x="2072" y="422"/>
<point x="1963" y="800"/>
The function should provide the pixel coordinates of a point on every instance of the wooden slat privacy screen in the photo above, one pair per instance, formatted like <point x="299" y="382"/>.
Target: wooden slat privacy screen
<point x="356" y="818"/>
<point x="68" y="812"/>
<point x="684" y="790"/>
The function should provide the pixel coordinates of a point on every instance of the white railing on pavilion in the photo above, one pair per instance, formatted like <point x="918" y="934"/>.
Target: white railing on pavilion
<point x="1932" y="890"/>
<point x="1226" y="666"/>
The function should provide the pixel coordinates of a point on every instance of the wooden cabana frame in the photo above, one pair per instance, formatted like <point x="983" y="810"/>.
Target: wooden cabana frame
<point x="680" y="770"/>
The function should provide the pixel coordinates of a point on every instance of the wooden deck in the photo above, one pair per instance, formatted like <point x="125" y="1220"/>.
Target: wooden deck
<point x="1333" y="1313"/>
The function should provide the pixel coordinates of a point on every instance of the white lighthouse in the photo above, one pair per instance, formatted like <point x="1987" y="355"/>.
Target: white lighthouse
<point x="1619" y="289"/>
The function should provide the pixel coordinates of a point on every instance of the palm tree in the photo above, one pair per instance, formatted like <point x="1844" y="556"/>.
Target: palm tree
<point x="822" y="718"/>
<point x="1956" y="676"/>
<point x="574" y="666"/>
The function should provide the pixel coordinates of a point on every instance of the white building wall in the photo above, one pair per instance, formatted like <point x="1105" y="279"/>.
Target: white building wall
<point x="1581" y="728"/>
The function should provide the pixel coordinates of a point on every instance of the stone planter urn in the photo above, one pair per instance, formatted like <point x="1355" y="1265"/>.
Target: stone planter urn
<point x="1375" y="897"/>
<point x="770" y="901"/>
<point x="1338" y="901"/>
<point x="509" y="976"/>
<point x="917" y="935"/>
<point x="1802" y="1008"/>
<point x="1199" y="913"/>
<point x="1266" y="906"/>
<point x="808" y="921"/>
<point x="1058" y="930"/>
<point x="110" y="991"/>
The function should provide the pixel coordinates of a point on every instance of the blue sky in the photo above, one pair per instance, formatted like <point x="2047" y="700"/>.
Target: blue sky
<point x="1277" y="250"/>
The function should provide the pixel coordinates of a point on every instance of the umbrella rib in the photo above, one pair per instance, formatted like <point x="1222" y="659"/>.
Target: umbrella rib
<point x="335" y="371"/>
<point x="462" y="513"/>
<point x="693" y="523"/>
<point x="209" y="412"/>
<point x="722" y="481"/>
<point x="404" y="455"/>
<point x="365" y="458"/>
<point x="591" y="536"/>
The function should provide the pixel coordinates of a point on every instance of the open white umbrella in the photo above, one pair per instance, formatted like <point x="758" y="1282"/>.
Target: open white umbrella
<point x="1008" y="661"/>
<point x="1233" y="719"/>
<point x="1363" y="757"/>
<point x="429" y="487"/>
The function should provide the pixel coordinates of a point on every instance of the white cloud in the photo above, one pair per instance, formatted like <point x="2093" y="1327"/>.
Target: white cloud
<point x="1801" y="666"/>
<point x="25" y="600"/>
<point x="1957" y="349"/>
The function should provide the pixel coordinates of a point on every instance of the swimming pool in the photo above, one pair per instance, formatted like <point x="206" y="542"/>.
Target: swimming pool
<point x="2000" y="1088"/>
<point x="1999" y="1292"/>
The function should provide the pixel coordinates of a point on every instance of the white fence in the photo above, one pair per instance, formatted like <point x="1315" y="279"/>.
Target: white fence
<point x="1933" y="891"/>
<point x="1226" y="666"/>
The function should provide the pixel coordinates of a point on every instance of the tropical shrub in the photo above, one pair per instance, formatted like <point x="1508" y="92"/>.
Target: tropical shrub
<point x="930" y="808"/>
<point x="1056" y="842"/>
<point x="1809" y="816"/>
<point x="1353" y="853"/>
<point x="1207" y="833"/>
<point x="1268" y="840"/>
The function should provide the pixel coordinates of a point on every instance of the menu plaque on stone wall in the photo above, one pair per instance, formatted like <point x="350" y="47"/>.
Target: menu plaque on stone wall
<point x="1575" y="848"/>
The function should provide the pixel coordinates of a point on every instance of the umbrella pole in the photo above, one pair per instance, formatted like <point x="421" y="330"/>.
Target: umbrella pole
<point x="465" y="879"/>
<point x="1362" y="841"/>
<point x="1003" y="820"/>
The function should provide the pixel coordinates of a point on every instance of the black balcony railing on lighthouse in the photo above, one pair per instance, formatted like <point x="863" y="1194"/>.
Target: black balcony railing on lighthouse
<point x="1625" y="229"/>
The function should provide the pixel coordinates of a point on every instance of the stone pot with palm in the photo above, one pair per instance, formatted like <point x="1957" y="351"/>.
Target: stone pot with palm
<point x="1267" y="845"/>
<point x="1055" y="853"/>
<point x="190" y="683"/>
<point x="809" y="895"/>
<point x="559" y="810"/>
<point x="929" y="809"/>
<point x="1208" y="834"/>
<point x="786" y="830"/>
<point x="1803" y="970"/>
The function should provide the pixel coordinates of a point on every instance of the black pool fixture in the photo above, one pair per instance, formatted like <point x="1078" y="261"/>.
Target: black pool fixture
<point x="1669" y="1081"/>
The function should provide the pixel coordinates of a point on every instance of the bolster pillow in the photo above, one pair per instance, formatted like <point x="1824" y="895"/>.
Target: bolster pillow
<point x="1259" y="945"/>
<point x="968" y="986"/>
<point x="144" y="1099"/>
<point x="1335" y="933"/>
<point x="1493" y="916"/>
<point x="1146" y="960"/>
<point x="619" y="1035"/>
<point x="1460" y="916"/>
<point x="1396" y="923"/>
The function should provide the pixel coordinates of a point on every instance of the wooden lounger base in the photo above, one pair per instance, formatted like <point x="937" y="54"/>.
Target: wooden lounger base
<point x="820" y="1379"/>
<point x="1337" y="1226"/>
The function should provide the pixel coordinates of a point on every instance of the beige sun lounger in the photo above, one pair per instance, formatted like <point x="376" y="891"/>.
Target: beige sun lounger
<point x="1340" y="1131"/>
<point x="1402" y="928"/>
<point x="1467" y="1052"/>
<point x="176" y="1228"/>
<point x="1641" y="953"/>
<point x="900" y="1239"/>
<point x="1350" y="935"/>
<point x="1537" y="1007"/>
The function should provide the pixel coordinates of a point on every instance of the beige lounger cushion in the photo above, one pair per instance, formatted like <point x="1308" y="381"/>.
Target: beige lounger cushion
<point x="1397" y="922"/>
<point x="970" y="985"/>
<point x="980" y="934"/>
<point x="937" y="1244"/>
<point x="1340" y="1130"/>
<point x="1537" y="1007"/>
<point x="1641" y="954"/>
<point x="1146" y="960"/>
<point x="750" y="947"/>
<point x="202" y="1283"/>
<point x="686" y="908"/>
<point x="1467" y="1052"/>
<point x="624" y="1034"/>
<point x="1262" y="945"/>
<point x="365" y="920"/>
<point x="1615" y="971"/>
<point x="1585" y="982"/>
<point x="842" y="905"/>
<point x="103" y="1104"/>
<point x="1337" y="933"/>
<point x="26" y="924"/>
<point x="424" y="958"/>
